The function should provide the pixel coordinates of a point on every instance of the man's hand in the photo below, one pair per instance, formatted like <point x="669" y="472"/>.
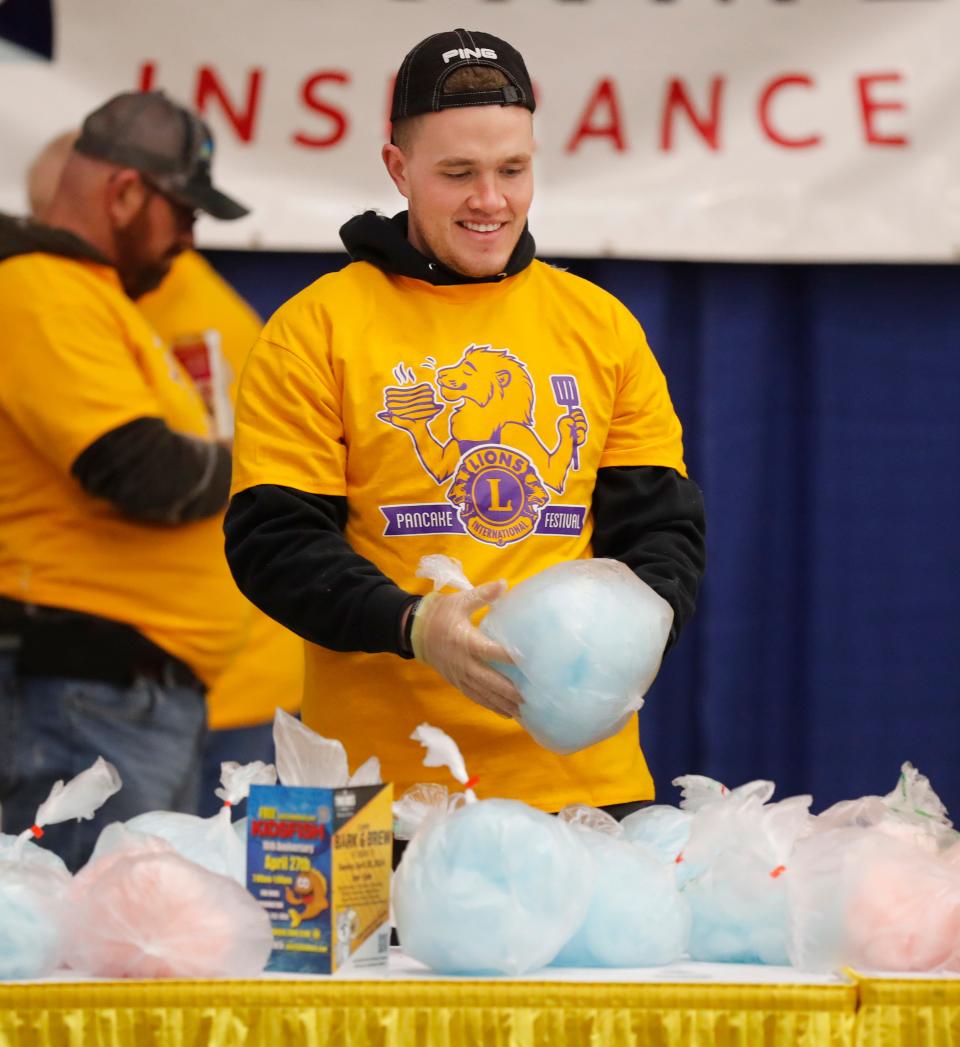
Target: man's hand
<point x="444" y="638"/>
<point x="573" y="425"/>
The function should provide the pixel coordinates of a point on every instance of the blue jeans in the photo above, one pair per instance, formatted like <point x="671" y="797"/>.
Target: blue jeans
<point x="52" y="728"/>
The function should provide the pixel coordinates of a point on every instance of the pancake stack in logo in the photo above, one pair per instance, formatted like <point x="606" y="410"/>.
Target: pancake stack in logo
<point x="497" y="470"/>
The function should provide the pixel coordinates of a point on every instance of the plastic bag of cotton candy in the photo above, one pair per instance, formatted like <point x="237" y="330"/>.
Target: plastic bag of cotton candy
<point x="35" y="883"/>
<point x="665" y="830"/>
<point x="210" y="842"/>
<point x="32" y="899"/>
<point x="489" y="886"/>
<point x="308" y="759"/>
<point x="636" y="915"/>
<point x="141" y="910"/>
<point x="877" y="885"/>
<point x="739" y="852"/>
<point x="586" y="639"/>
<point x="662" y="829"/>
<point x="911" y="811"/>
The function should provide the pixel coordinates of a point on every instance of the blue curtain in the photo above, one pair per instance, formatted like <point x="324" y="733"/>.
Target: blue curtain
<point x="821" y="407"/>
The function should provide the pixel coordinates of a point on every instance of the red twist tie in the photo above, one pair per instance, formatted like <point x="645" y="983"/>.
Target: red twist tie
<point x="678" y="859"/>
<point x="471" y="782"/>
<point x="37" y="831"/>
<point x="776" y="872"/>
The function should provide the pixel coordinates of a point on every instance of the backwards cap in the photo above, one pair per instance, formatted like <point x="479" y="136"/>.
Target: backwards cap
<point x="419" y="85"/>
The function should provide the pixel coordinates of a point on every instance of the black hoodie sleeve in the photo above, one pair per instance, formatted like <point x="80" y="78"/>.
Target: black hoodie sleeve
<point x="652" y="519"/>
<point x="289" y="556"/>
<point x="152" y="473"/>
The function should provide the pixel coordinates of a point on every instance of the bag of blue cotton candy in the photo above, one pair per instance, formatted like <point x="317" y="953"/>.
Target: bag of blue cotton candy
<point x="637" y="916"/>
<point x="33" y="889"/>
<point x="495" y="887"/>
<point x="664" y="830"/>
<point x="35" y="883"/>
<point x="741" y="850"/>
<point x="587" y="639"/>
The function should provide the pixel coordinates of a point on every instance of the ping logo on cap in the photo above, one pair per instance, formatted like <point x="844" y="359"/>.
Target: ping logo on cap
<point x="468" y="52"/>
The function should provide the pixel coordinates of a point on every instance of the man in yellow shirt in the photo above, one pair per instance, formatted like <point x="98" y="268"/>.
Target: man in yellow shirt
<point x="448" y="393"/>
<point x="116" y="606"/>
<point x="211" y="329"/>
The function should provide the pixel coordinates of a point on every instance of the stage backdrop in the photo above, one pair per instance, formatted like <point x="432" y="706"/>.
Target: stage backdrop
<point x="709" y="129"/>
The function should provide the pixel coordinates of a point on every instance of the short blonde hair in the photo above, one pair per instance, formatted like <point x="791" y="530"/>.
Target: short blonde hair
<point x="466" y="79"/>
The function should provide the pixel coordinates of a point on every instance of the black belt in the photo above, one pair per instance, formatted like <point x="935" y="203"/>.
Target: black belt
<point x="51" y="641"/>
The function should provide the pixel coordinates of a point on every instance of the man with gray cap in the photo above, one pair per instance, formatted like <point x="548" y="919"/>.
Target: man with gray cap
<point x="448" y="393"/>
<point x="116" y="606"/>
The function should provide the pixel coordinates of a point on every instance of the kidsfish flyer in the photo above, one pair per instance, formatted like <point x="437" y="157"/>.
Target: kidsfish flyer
<point x="318" y="861"/>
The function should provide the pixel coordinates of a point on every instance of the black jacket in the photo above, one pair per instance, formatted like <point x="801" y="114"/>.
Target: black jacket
<point x="288" y="552"/>
<point x="144" y="468"/>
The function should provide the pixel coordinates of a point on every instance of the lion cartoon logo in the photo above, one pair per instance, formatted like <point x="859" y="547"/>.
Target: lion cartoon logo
<point x="309" y="890"/>
<point x="493" y="400"/>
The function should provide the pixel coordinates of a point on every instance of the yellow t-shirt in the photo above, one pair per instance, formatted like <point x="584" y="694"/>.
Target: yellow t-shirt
<point x="79" y="360"/>
<point x="267" y="670"/>
<point x="437" y="412"/>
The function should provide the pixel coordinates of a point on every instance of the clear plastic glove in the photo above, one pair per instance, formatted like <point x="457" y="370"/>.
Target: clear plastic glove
<point x="445" y="638"/>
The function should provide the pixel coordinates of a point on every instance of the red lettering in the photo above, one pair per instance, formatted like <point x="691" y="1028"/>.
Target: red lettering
<point x="707" y="126"/>
<point x="148" y="75"/>
<point x="869" y="106"/>
<point x="763" y="108"/>
<point x="286" y="830"/>
<point x="338" y="119"/>
<point x="604" y="99"/>
<point x="209" y="87"/>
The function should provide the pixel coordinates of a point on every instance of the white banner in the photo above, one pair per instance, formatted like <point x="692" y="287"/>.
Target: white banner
<point x="800" y="130"/>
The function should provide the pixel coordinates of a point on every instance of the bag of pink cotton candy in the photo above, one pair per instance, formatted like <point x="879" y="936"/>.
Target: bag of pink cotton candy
<point x="140" y="910"/>
<point x="877" y="884"/>
<point x="865" y="899"/>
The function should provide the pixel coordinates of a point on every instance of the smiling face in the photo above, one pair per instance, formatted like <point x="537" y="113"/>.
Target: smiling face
<point x="467" y="174"/>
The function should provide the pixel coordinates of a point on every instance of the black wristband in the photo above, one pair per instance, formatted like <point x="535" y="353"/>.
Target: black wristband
<point x="406" y="627"/>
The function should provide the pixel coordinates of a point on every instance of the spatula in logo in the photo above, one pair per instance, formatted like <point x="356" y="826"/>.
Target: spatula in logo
<point x="566" y="393"/>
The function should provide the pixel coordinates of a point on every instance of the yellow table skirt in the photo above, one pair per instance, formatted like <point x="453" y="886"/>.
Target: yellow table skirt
<point x="461" y="1013"/>
<point x="908" y="1012"/>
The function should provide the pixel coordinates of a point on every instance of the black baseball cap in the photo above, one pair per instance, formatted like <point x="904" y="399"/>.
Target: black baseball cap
<point x="419" y="84"/>
<point x="164" y="141"/>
